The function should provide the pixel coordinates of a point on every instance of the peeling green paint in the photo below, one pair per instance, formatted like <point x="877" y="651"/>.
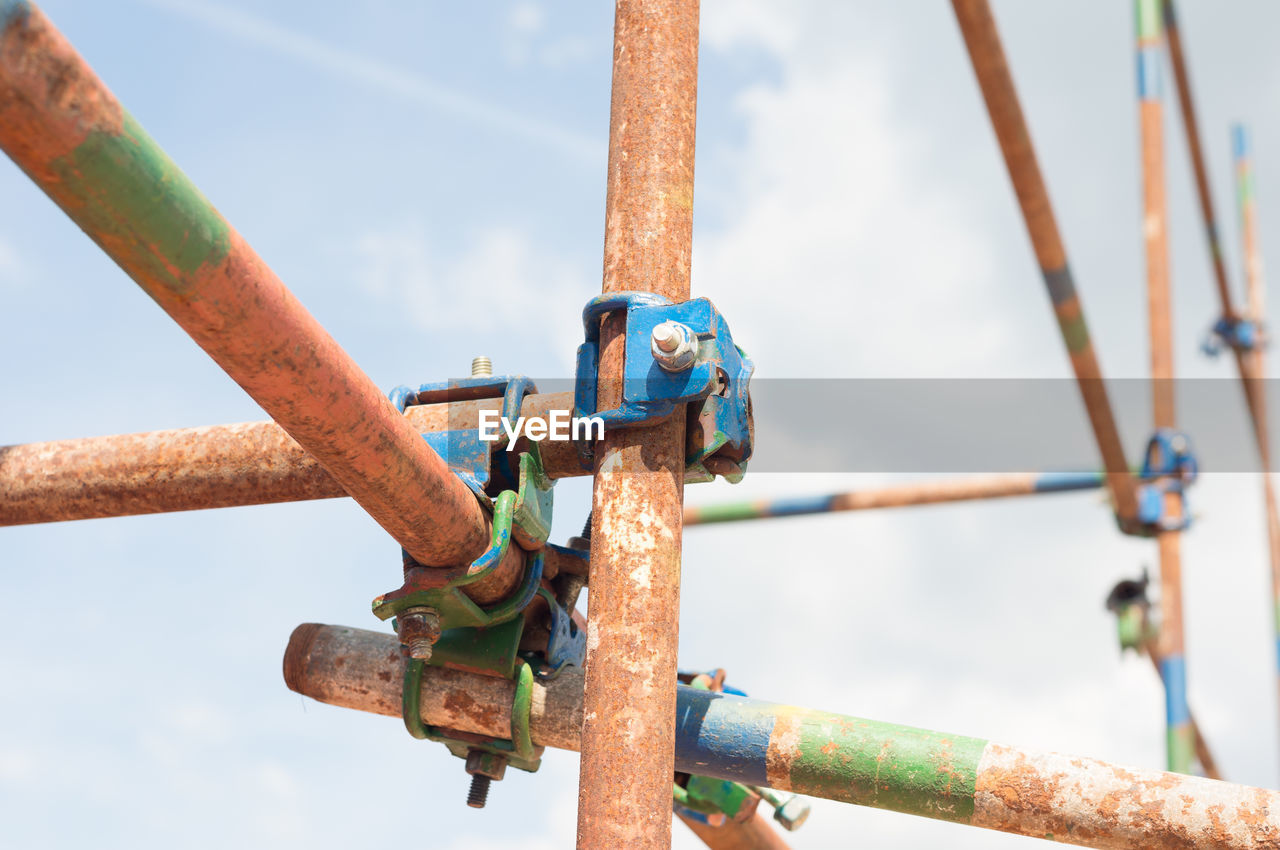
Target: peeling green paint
<point x="887" y="766"/>
<point x="131" y="199"/>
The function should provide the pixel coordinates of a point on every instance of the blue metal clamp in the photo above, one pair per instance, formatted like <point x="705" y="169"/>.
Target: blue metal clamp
<point x="1168" y="466"/>
<point x="719" y="437"/>
<point x="466" y="454"/>
<point x="1234" y="333"/>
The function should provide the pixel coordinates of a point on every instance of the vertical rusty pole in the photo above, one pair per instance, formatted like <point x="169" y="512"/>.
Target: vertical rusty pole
<point x="1256" y="301"/>
<point x="628" y="730"/>
<point x="1180" y="741"/>
<point x="996" y="82"/>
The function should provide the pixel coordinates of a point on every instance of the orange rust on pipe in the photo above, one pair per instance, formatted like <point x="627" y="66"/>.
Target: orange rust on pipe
<point x="996" y="82"/>
<point x="218" y="466"/>
<point x="629" y="703"/>
<point x="62" y="127"/>
<point x="753" y="834"/>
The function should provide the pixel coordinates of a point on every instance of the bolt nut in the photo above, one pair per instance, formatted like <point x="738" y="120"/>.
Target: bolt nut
<point x="792" y="814"/>
<point x="673" y="345"/>
<point x="419" y="629"/>
<point x="491" y="765"/>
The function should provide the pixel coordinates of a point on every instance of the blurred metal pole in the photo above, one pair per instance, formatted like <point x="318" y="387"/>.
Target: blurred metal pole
<point x="1255" y="289"/>
<point x="902" y="496"/>
<point x="994" y="78"/>
<point x="1180" y="739"/>
<point x="1208" y="764"/>
<point x="628" y="732"/>
<point x="752" y="834"/>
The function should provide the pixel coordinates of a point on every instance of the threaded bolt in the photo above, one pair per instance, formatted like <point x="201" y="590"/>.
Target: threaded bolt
<point x="419" y="629"/>
<point x="481" y="367"/>
<point x="478" y="794"/>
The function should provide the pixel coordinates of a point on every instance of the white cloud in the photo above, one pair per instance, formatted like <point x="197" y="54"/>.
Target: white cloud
<point x="500" y="273"/>
<point x="831" y="209"/>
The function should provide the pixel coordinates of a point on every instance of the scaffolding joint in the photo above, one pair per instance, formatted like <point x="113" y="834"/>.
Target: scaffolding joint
<point x="1233" y="332"/>
<point x="676" y="354"/>
<point x="1169" y="467"/>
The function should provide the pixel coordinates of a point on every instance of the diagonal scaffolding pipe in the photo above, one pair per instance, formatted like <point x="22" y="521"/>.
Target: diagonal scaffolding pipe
<point x="62" y="127"/>
<point x="964" y="780"/>
<point x="994" y="78"/>
<point x="901" y="496"/>
<point x="639" y="473"/>
<point x="1171" y="642"/>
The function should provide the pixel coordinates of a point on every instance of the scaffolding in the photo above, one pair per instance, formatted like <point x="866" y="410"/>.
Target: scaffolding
<point x="489" y="654"/>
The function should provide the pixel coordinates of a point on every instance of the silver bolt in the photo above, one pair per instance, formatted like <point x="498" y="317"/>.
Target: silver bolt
<point x="481" y="367"/>
<point x="790" y="810"/>
<point x="673" y="345"/>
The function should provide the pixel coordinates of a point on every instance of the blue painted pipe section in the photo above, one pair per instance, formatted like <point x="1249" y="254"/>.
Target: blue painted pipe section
<point x="800" y="505"/>
<point x="1057" y="482"/>
<point x="1149" y="72"/>
<point x="722" y="736"/>
<point x="1173" y="670"/>
<point x="1239" y="141"/>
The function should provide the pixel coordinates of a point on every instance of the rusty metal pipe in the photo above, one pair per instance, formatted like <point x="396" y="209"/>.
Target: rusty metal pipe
<point x="639" y="473"/>
<point x="218" y="466"/>
<point x="60" y="125"/>
<point x="754" y="833"/>
<point x="902" y="496"/>
<point x="994" y="78"/>
<point x="1155" y="232"/>
<point x="965" y="780"/>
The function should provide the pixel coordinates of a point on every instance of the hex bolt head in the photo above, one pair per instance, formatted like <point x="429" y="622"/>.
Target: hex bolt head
<point x="792" y="814"/>
<point x="673" y="345"/>
<point x="419" y="629"/>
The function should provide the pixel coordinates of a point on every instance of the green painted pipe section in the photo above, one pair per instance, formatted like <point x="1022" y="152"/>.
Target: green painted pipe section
<point x="125" y="192"/>
<point x="884" y="765"/>
<point x="1149" y="21"/>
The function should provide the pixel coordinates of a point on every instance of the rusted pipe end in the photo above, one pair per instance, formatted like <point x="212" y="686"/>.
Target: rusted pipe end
<point x="297" y="653"/>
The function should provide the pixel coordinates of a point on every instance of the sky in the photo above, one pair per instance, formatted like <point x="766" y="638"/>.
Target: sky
<point x="428" y="178"/>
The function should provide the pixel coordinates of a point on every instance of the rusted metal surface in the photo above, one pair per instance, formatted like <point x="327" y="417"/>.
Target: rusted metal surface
<point x="1155" y="233"/>
<point x="752" y="834"/>
<point x="970" y="781"/>
<point x="901" y="496"/>
<point x="1094" y="804"/>
<point x="1191" y="126"/>
<point x="219" y="466"/>
<point x="639" y="476"/>
<point x="62" y="127"/>
<point x="994" y="78"/>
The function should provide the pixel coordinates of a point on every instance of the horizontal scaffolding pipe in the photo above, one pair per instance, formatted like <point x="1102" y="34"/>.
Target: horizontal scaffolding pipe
<point x="61" y="125"/>
<point x="903" y="496"/>
<point x="218" y="466"/>
<point x="996" y="82"/>
<point x="949" y="777"/>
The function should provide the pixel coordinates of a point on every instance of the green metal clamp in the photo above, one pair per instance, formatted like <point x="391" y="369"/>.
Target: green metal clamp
<point x="519" y="751"/>
<point x="524" y="514"/>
